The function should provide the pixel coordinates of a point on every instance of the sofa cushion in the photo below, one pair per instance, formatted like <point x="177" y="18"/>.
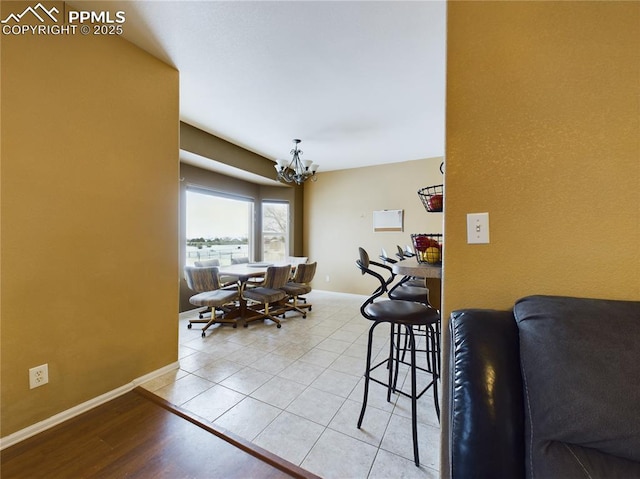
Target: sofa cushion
<point x="580" y="362"/>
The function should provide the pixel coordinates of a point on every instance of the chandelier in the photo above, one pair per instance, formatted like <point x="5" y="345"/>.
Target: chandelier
<point x="296" y="170"/>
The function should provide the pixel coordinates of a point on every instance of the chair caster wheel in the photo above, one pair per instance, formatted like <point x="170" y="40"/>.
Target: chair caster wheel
<point x="189" y="326"/>
<point x="304" y="316"/>
<point x="200" y="316"/>
<point x="279" y="326"/>
<point x="246" y="325"/>
<point x="235" y="326"/>
<point x="309" y="308"/>
<point x="203" y="335"/>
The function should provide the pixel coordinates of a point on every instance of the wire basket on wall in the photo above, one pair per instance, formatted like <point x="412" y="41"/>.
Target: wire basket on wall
<point x="432" y="198"/>
<point x="428" y="247"/>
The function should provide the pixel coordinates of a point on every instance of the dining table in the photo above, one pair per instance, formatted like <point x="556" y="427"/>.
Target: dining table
<point x="246" y="272"/>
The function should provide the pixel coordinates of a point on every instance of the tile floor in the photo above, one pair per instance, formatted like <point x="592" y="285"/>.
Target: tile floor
<point x="297" y="392"/>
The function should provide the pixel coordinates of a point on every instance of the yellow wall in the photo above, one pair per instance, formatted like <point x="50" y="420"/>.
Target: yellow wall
<point x="543" y="112"/>
<point x="543" y="133"/>
<point x="338" y="212"/>
<point x="89" y="220"/>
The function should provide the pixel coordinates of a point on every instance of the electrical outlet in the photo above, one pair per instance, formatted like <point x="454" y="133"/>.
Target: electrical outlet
<point x="38" y="376"/>
<point x="327" y="279"/>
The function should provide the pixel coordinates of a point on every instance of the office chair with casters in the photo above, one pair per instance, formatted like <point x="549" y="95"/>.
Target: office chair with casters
<point x="399" y="315"/>
<point x="201" y="264"/>
<point x="225" y="280"/>
<point x="206" y="262"/>
<point x="268" y="294"/>
<point x="242" y="260"/>
<point x="294" y="261"/>
<point x="206" y="283"/>
<point x="299" y="285"/>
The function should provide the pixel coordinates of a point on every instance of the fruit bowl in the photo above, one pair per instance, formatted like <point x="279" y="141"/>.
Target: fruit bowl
<point x="432" y="198"/>
<point x="428" y="247"/>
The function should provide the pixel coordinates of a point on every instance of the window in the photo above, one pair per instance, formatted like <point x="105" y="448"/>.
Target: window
<point x="218" y="227"/>
<point x="275" y="231"/>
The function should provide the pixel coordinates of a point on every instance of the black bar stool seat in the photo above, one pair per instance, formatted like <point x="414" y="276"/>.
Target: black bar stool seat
<point x="410" y="293"/>
<point x="401" y="312"/>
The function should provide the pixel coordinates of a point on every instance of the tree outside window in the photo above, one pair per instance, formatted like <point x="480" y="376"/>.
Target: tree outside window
<point x="275" y="231"/>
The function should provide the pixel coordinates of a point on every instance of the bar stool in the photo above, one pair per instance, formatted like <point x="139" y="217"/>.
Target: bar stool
<point x="401" y="315"/>
<point x="419" y="295"/>
<point x="409" y="289"/>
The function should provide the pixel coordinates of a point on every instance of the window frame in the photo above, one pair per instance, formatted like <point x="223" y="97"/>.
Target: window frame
<point x="251" y="226"/>
<point x="286" y="234"/>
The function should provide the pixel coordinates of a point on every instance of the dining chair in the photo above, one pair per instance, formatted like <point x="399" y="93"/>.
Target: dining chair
<point x="242" y="260"/>
<point x="206" y="262"/>
<point x="225" y="280"/>
<point x="200" y="264"/>
<point x="299" y="285"/>
<point x="269" y="294"/>
<point x="205" y="281"/>
<point x="294" y="261"/>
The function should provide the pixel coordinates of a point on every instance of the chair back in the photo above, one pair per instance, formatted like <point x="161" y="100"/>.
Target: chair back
<point x="296" y="260"/>
<point x="364" y="264"/>
<point x="385" y="257"/>
<point x="207" y="262"/>
<point x="242" y="260"/>
<point x="202" y="279"/>
<point x="305" y="273"/>
<point x="400" y="254"/>
<point x="276" y="276"/>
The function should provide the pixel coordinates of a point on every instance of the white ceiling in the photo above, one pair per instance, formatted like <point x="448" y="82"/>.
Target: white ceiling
<point x="360" y="82"/>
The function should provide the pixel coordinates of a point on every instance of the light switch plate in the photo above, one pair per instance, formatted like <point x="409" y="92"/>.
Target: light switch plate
<point x="478" y="228"/>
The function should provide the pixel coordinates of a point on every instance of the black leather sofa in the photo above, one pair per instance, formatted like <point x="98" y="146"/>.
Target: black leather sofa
<point x="548" y="390"/>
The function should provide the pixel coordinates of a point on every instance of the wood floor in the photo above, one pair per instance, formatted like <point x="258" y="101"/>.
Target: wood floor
<point x="139" y="435"/>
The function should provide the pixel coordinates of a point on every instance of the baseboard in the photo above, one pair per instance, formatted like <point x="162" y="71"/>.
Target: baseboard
<point x="48" y="423"/>
<point x="346" y="295"/>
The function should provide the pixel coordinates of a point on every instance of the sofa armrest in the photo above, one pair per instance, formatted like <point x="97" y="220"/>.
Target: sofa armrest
<point x="486" y="401"/>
